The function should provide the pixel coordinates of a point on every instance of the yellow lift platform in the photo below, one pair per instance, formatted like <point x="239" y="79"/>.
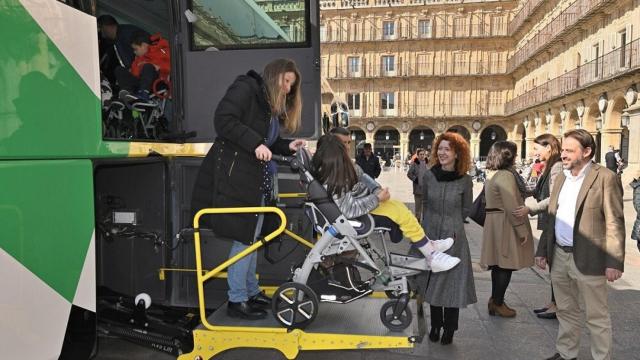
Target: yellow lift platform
<point x="356" y="325"/>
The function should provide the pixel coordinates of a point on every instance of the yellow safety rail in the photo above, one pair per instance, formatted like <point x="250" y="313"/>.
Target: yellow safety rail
<point x="203" y="276"/>
<point x="216" y="339"/>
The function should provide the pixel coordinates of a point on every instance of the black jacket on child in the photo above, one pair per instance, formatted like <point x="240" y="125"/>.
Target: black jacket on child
<point x="230" y="175"/>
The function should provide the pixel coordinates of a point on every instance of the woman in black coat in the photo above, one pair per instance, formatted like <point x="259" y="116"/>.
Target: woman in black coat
<point x="238" y="171"/>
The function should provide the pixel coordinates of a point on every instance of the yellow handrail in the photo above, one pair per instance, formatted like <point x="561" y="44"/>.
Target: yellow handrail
<point x="202" y="277"/>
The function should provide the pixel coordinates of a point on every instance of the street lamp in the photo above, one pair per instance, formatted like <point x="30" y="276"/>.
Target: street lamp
<point x="386" y="136"/>
<point x="353" y="135"/>
<point x="493" y="135"/>
<point x="599" y="123"/>
<point x="421" y="135"/>
<point x="625" y="119"/>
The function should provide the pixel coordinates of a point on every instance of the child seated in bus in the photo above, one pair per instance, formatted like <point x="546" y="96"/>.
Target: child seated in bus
<point x="356" y="194"/>
<point x="152" y="62"/>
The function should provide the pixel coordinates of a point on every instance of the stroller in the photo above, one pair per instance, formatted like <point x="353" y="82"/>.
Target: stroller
<point x="345" y="264"/>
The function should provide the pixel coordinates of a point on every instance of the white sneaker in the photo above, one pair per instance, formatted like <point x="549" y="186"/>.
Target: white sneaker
<point x="442" y="245"/>
<point x="442" y="262"/>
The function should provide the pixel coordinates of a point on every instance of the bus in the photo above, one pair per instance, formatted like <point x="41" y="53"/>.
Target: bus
<point x="95" y="195"/>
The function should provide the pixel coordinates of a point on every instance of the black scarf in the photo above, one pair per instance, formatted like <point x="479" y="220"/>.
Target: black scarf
<point x="443" y="175"/>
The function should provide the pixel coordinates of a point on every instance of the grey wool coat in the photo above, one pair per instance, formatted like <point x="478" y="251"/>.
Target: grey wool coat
<point x="445" y="205"/>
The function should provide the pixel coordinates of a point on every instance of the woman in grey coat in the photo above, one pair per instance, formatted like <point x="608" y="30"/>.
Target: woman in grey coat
<point x="447" y="199"/>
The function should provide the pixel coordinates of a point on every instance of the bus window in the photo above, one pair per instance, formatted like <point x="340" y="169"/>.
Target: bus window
<point x="223" y="24"/>
<point x="135" y="65"/>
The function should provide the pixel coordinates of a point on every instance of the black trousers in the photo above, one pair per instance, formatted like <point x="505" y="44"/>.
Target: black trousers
<point x="500" y="279"/>
<point x="444" y="317"/>
<point x="126" y="81"/>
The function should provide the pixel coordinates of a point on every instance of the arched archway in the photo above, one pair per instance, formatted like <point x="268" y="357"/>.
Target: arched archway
<point x="521" y="136"/>
<point x="386" y="143"/>
<point x="462" y="131"/>
<point x="616" y="131"/>
<point x="489" y="136"/>
<point x="592" y="122"/>
<point x="421" y="137"/>
<point x="358" y="139"/>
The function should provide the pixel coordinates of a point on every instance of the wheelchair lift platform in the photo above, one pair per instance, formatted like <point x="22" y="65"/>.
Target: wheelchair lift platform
<point x="356" y="325"/>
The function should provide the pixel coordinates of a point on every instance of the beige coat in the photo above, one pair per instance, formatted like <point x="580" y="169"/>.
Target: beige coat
<point x="504" y="234"/>
<point x="598" y="233"/>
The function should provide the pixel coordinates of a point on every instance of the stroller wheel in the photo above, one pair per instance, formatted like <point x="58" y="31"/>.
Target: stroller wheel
<point x="294" y="305"/>
<point x="394" y="317"/>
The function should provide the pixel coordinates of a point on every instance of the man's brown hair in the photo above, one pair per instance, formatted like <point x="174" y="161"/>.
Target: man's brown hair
<point x="584" y="138"/>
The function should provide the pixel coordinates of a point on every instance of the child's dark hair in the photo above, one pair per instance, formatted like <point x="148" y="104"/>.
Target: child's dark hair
<point x="139" y="38"/>
<point x="333" y="167"/>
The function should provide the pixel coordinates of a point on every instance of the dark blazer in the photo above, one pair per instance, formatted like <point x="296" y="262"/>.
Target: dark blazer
<point x="599" y="233"/>
<point x="230" y="175"/>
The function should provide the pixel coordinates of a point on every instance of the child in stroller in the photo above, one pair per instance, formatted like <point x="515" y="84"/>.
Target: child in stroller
<point x="356" y="194"/>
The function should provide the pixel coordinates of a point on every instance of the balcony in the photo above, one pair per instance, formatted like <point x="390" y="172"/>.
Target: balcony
<point x="416" y="69"/>
<point x="353" y="4"/>
<point x="436" y="32"/>
<point x="560" y="25"/>
<point x="529" y="8"/>
<point x="620" y="61"/>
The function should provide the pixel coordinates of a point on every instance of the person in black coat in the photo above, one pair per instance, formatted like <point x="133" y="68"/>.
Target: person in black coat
<point x="369" y="162"/>
<point x="238" y="171"/>
<point x="120" y="36"/>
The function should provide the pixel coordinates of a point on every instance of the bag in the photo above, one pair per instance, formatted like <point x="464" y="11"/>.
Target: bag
<point x="478" y="209"/>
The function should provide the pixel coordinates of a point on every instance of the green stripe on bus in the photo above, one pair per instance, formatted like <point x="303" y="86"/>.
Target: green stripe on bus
<point x="46" y="217"/>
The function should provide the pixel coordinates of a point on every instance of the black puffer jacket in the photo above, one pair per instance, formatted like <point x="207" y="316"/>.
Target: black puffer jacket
<point x="230" y="175"/>
<point x="635" y="233"/>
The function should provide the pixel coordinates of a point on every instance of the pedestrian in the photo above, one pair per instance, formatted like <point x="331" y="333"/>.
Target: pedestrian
<point x="238" y="171"/>
<point x="415" y="174"/>
<point x="635" y="185"/>
<point x="610" y="159"/>
<point x="507" y="242"/>
<point x="369" y="162"/>
<point x="447" y="196"/>
<point x="584" y="246"/>
<point x="546" y="149"/>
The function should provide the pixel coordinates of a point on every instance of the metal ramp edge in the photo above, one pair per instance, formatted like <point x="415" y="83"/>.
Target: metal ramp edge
<point x="356" y="325"/>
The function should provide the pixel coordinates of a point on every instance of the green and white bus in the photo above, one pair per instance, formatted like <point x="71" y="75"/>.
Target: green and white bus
<point x="81" y="211"/>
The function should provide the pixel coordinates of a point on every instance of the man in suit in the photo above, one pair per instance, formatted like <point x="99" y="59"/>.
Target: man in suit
<point x="583" y="245"/>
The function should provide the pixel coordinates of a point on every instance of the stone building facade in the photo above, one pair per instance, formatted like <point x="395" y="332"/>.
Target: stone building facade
<point x="408" y="70"/>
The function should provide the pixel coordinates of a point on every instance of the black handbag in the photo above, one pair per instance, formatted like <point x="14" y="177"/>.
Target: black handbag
<point x="478" y="209"/>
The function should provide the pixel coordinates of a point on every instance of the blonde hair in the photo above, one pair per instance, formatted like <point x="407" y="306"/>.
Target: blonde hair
<point x="286" y="106"/>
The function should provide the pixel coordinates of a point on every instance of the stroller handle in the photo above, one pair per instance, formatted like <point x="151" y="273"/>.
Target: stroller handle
<point x="282" y="159"/>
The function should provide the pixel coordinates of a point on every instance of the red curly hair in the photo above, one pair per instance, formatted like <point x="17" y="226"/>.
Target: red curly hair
<point x="459" y="146"/>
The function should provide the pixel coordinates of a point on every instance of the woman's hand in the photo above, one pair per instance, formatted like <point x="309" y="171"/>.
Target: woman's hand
<point x="521" y="211"/>
<point x="263" y="153"/>
<point x="295" y="144"/>
<point x="384" y="195"/>
<point x="524" y="240"/>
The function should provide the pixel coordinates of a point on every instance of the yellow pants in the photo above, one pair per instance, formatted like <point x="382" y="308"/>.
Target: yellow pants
<point x="401" y="215"/>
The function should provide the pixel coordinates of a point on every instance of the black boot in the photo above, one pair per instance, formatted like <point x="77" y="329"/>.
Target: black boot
<point x="244" y="310"/>
<point x="260" y="301"/>
<point x="447" y="337"/>
<point x="434" y="334"/>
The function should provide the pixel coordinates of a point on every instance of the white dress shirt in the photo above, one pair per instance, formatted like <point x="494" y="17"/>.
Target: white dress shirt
<point x="566" y="214"/>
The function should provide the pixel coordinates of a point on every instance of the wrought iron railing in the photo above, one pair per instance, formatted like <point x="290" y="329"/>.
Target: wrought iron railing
<point x="620" y="61"/>
<point x="340" y="34"/>
<point x="350" y="4"/>
<point x="414" y="69"/>
<point x="563" y="22"/>
<point x="523" y="14"/>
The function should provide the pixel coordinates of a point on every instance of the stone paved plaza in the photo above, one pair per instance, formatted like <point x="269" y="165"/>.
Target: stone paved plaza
<point x="480" y="336"/>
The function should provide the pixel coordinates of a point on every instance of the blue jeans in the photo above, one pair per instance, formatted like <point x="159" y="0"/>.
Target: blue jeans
<point x="241" y="276"/>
